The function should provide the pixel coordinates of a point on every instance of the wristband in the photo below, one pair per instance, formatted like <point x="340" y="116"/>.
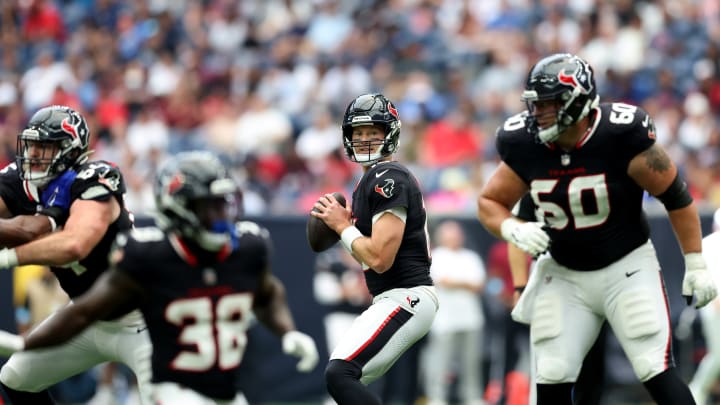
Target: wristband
<point x="53" y="224"/>
<point x="349" y="235"/>
<point x="695" y="261"/>
<point x="8" y="259"/>
<point x="520" y="288"/>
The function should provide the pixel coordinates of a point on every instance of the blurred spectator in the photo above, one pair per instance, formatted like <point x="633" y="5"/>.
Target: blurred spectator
<point x="38" y="84"/>
<point x="456" y="336"/>
<point x="452" y="140"/>
<point x="265" y="67"/>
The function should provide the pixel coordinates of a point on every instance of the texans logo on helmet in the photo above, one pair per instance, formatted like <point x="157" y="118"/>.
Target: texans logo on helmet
<point x="582" y="73"/>
<point x="175" y="184"/>
<point x="387" y="189"/>
<point x="393" y="110"/>
<point x="69" y="128"/>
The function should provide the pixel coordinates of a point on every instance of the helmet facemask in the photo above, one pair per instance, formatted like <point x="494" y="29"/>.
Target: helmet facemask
<point x="566" y="80"/>
<point x="41" y="161"/>
<point x="369" y="152"/>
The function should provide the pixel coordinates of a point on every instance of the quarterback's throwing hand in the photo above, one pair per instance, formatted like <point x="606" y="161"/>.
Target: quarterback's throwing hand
<point x="698" y="281"/>
<point x="528" y="236"/>
<point x="303" y="346"/>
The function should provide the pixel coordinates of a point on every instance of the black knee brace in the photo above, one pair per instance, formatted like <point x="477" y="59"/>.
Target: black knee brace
<point x="343" y="383"/>
<point x="22" y="397"/>
<point x="667" y="388"/>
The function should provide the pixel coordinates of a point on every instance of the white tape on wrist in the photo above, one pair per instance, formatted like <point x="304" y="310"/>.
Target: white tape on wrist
<point x="695" y="261"/>
<point x="53" y="224"/>
<point x="507" y="227"/>
<point x="8" y="259"/>
<point x="349" y="235"/>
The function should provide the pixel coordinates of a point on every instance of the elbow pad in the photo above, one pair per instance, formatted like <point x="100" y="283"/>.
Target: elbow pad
<point x="676" y="196"/>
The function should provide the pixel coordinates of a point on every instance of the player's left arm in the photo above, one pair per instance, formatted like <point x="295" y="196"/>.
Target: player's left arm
<point x="271" y="308"/>
<point x="270" y="305"/>
<point x="654" y="171"/>
<point x="114" y="293"/>
<point x="378" y="250"/>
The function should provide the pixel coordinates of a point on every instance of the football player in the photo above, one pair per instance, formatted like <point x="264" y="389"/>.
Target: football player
<point x="198" y="278"/>
<point x="82" y="201"/>
<point x="386" y="232"/>
<point x="586" y="166"/>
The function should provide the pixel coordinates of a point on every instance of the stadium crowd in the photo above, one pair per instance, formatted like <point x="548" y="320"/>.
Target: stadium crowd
<point x="264" y="82"/>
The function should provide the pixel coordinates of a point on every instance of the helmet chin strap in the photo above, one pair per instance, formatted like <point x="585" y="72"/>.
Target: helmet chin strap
<point x="552" y="133"/>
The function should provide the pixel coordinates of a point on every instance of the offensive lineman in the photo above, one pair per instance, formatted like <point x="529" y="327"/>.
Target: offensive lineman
<point x="386" y="232"/>
<point x="586" y="166"/>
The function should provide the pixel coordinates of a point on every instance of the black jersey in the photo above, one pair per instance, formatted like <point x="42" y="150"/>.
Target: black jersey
<point x="197" y="310"/>
<point x="98" y="181"/>
<point x="385" y="186"/>
<point x="593" y="207"/>
<point x="19" y="196"/>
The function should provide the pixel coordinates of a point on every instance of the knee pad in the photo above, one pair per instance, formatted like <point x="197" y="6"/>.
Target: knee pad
<point x="547" y="318"/>
<point x="552" y="370"/>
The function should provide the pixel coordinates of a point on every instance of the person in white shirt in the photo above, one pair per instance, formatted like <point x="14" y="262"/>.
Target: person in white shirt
<point x="459" y="276"/>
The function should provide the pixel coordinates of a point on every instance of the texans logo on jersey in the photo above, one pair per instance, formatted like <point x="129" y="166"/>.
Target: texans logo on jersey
<point x="387" y="189"/>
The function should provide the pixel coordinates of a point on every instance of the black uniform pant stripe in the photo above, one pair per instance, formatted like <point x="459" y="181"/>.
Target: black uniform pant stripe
<point x="381" y="337"/>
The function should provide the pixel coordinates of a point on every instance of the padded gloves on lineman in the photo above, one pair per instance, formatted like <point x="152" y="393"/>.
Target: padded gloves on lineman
<point x="528" y="236"/>
<point x="698" y="281"/>
<point x="302" y="346"/>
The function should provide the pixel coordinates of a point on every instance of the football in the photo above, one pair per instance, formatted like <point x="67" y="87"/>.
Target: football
<point x="320" y="236"/>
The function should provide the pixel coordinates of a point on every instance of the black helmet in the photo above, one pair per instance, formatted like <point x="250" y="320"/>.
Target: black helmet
<point x="187" y="186"/>
<point x="60" y="127"/>
<point x="371" y="109"/>
<point x="567" y="79"/>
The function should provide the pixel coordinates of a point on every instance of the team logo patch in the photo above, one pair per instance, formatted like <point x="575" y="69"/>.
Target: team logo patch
<point x="387" y="189"/>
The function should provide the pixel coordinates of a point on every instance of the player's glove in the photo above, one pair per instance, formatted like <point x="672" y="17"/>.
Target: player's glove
<point x="698" y="281"/>
<point x="8" y="259"/>
<point x="10" y="343"/>
<point x="528" y="236"/>
<point x="303" y="346"/>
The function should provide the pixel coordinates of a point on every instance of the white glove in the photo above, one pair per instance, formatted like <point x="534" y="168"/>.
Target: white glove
<point x="8" y="259"/>
<point x="698" y="281"/>
<point x="10" y="343"/>
<point x="528" y="236"/>
<point x="303" y="346"/>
